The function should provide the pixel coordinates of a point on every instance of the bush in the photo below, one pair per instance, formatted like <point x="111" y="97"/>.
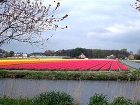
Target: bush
<point x="98" y="99"/>
<point x="53" y="98"/>
<point x="121" y="101"/>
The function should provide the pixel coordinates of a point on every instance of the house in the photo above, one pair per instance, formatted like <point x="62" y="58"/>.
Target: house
<point x="24" y="55"/>
<point x="82" y="56"/>
<point x="20" y="55"/>
<point x="131" y="57"/>
<point x="111" y="57"/>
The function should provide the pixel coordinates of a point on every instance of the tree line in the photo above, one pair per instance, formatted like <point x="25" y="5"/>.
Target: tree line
<point x="4" y="53"/>
<point x="74" y="53"/>
<point x="89" y="53"/>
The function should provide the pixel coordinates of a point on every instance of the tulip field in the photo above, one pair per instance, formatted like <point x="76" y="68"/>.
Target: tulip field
<point x="63" y="65"/>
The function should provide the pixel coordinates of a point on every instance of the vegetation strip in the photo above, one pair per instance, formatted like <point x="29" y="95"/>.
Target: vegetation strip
<point x="62" y="98"/>
<point x="130" y="75"/>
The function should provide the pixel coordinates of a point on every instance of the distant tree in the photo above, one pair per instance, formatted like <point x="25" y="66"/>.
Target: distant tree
<point x="11" y="53"/>
<point x="49" y="53"/>
<point x="123" y="50"/>
<point x="137" y="57"/>
<point x="2" y="1"/>
<point x="77" y="51"/>
<point x="25" y="20"/>
<point x="138" y="52"/>
<point x="131" y="52"/>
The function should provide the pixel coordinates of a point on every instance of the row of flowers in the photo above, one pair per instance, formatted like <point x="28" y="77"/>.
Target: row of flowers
<point x="25" y="61"/>
<point x="69" y="65"/>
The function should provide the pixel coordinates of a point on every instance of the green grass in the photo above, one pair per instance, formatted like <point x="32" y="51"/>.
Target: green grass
<point x="130" y="75"/>
<point x="8" y="101"/>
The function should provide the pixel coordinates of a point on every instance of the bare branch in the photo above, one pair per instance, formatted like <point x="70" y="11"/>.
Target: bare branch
<point x="24" y="21"/>
<point x="137" y="5"/>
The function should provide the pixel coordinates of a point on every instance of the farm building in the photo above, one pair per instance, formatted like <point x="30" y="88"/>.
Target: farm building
<point x="82" y="56"/>
<point x="111" y="57"/>
<point x="131" y="57"/>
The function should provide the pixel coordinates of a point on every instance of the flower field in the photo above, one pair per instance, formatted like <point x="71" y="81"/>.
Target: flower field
<point x="63" y="65"/>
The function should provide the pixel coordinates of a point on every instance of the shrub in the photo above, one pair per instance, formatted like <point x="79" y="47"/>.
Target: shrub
<point x="121" y="101"/>
<point x="3" y="73"/>
<point x="98" y="99"/>
<point x="53" y="98"/>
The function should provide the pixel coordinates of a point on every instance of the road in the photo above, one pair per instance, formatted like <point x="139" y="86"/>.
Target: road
<point x="132" y="64"/>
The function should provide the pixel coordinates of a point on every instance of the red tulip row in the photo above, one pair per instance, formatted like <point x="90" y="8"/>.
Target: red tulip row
<point x="71" y="65"/>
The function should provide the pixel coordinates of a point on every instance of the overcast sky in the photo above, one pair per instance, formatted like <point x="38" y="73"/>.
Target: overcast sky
<point x="95" y="24"/>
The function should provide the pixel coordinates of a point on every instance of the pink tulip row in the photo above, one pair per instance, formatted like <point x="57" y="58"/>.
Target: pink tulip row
<point x="71" y="65"/>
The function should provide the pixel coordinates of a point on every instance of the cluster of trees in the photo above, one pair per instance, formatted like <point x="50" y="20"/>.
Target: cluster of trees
<point x="36" y="54"/>
<point x="4" y="53"/>
<point x="74" y="53"/>
<point x="137" y="56"/>
<point x="90" y="53"/>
